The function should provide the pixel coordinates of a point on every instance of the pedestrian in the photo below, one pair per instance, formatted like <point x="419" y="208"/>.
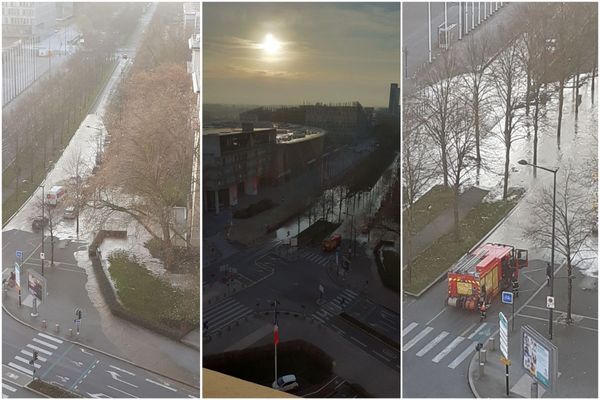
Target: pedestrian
<point x="548" y="273"/>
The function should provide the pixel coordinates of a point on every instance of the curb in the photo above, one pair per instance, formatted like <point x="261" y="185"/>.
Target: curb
<point x="470" y="379"/>
<point x="487" y="235"/>
<point x="36" y="392"/>
<point x="102" y="352"/>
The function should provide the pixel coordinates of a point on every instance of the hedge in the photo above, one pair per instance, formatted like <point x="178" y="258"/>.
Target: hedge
<point x="50" y="390"/>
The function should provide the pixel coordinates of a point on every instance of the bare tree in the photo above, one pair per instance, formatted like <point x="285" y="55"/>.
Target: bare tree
<point x="417" y="172"/>
<point x="77" y="168"/>
<point x="461" y="145"/>
<point x="478" y="57"/>
<point x="574" y="210"/>
<point x="507" y="73"/>
<point x="436" y="100"/>
<point x="149" y="161"/>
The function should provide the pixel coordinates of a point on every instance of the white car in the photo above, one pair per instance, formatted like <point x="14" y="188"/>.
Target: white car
<point x="286" y="383"/>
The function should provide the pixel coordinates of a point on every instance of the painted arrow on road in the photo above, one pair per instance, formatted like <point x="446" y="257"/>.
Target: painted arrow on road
<point x="116" y="376"/>
<point x="166" y="385"/>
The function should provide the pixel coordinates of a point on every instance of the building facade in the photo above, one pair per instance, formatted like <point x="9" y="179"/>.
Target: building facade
<point x="394" y="103"/>
<point x="21" y="19"/>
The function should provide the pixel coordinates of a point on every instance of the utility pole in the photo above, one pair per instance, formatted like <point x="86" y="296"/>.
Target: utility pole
<point x="43" y="226"/>
<point x="429" y="30"/>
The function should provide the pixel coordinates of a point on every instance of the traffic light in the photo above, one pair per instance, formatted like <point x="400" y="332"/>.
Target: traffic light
<point x="78" y="314"/>
<point x="35" y="356"/>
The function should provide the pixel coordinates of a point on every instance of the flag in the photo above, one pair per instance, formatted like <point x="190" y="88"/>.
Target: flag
<point x="276" y="334"/>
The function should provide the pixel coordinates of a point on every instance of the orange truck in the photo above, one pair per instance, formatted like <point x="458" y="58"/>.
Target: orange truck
<point x="489" y="268"/>
<point x="332" y="243"/>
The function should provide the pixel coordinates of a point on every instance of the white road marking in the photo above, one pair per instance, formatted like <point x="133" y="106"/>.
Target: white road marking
<point x="50" y="338"/>
<point x="417" y="338"/>
<point x="461" y="357"/>
<point x="19" y="368"/>
<point x="432" y="344"/>
<point x="409" y="328"/>
<point x="477" y="330"/>
<point x="86" y="352"/>
<point x="30" y="354"/>
<point x="39" y="349"/>
<point x="122" y="391"/>
<point x="116" y="376"/>
<point x="26" y="361"/>
<point x="464" y="333"/>
<point x="122" y="370"/>
<point x="317" y="318"/>
<point x="381" y="355"/>
<point x="53" y="347"/>
<point x="448" y="349"/>
<point x="160" y="384"/>
<point x="6" y="386"/>
<point x="358" y="341"/>
<point x="436" y="315"/>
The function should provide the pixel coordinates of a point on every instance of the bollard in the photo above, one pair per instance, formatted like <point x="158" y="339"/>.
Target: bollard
<point x="483" y="356"/>
<point x="70" y="332"/>
<point x="57" y="328"/>
<point x="534" y="389"/>
<point x="492" y="344"/>
<point x="44" y="324"/>
<point x="481" y="369"/>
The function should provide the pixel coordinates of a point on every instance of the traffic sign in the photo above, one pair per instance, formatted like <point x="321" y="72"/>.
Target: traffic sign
<point x="503" y="335"/>
<point x="78" y="322"/>
<point x="550" y="302"/>
<point x="504" y="361"/>
<point x="507" y="297"/>
<point x="42" y="256"/>
<point x="19" y="254"/>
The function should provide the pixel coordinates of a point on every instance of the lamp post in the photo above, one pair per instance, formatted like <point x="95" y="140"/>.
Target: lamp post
<point x="554" y="171"/>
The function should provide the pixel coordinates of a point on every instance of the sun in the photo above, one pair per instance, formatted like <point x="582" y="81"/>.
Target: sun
<point x="271" y="45"/>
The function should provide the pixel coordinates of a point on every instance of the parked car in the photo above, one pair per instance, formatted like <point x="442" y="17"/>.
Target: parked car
<point x="286" y="383"/>
<point x="69" y="213"/>
<point x="54" y="196"/>
<point x="39" y="223"/>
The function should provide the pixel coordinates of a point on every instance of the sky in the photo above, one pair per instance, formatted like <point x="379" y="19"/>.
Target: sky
<point x="295" y="53"/>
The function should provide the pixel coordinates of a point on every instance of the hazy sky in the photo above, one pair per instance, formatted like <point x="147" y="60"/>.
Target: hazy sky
<point x="290" y="53"/>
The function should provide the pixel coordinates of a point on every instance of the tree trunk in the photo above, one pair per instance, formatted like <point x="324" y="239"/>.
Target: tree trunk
<point x="476" y="109"/>
<point x="569" y="289"/>
<point x="561" y="94"/>
<point x="445" y="166"/>
<point x="506" y="164"/>
<point x="527" y="94"/>
<point x="594" y="79"/>
<point x="536" y="124"/>
<point x="456" y="217"/>
<point x="51" y="248"/>
<point x="577" y="96"/>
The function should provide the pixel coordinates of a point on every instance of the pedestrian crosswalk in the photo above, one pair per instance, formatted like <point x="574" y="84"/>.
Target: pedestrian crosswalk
<point x="222" y="314"/>
<point x="23" y="362"/>
<point x="335" y="306"/>
<point x="317" y="258"/>
<point x="441" y="347"/>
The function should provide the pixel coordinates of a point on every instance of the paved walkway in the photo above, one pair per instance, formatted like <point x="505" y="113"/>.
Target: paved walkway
<point x="444" y="223"/>
<point x="577" y="346"/>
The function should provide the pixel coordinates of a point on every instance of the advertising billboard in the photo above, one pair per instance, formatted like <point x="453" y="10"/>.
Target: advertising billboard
<point x="35" y="284"/>
<point x="539" y="357"/>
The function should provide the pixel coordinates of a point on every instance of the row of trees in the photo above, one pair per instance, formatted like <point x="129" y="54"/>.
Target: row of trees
<point x="500" y="85"/>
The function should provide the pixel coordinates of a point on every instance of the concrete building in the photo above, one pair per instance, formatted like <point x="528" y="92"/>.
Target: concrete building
<point x="25" y="19"/>
<point x="394" y="103"/>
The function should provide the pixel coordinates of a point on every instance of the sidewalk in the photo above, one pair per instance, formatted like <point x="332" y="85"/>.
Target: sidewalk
<point x="577" y="345"/>
<point x="444" y="223"/>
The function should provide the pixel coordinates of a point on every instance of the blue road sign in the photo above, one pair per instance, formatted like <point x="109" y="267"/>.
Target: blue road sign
<point x="507" y="297"/>
<point x="19" y="254"/>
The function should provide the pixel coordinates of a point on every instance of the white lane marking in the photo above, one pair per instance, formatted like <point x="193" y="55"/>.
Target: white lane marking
<point x="437" y="315"/>
<point x="122" y="391"/>
<point x="417" y="338"/>
<point x="432" y="344"/>
<point x="116" y="376"/>
<point x="30" y="354"/>
<point x="464" y="333"/>
<point x="19" y="368"/>
<point x="358" y="341"/>
<point x="477" y="330"/>
<point x="6" y="386"/>
<point x="122" y="370"/>
<point x="39" y="349"/>
<point x="50" y="338"/>
<point x="461" y="357"/>
<point x="86" y="352"/>
<point x="160" y="384"/>
<point x="447" y="349"/>
<point x="53" y="347"/>
<point x="317" y="318"/>
<point x="26" y="361"/>
<point x="409" y="328"/>
<point x="381" y="355"/>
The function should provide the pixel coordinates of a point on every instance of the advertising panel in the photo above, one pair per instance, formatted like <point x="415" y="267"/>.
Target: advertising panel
<point x="539" y="357"/>
<point x="35" y="284"/>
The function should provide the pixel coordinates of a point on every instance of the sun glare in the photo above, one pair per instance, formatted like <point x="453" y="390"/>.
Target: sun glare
<point x="271" y="45"/>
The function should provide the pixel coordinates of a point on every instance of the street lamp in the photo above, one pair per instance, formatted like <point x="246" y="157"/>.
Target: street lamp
<point x="43" y="225"/>
<point x="524" y="162"/>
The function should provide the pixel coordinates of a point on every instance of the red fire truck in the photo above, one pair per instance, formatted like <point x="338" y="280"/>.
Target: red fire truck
<point x="483" y="273"/>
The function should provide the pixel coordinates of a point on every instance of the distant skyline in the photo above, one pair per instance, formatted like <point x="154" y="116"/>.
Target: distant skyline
<point x="291" y="53"/>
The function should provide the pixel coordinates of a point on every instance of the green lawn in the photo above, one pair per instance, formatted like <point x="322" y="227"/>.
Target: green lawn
<point x="443" y="253"/>
<point x="390" y="273"/>
<point x="149" y="297"/>
<point x="438" y="198"/>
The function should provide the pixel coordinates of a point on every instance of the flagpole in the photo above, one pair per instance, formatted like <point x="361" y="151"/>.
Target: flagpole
<point x="276" y="340"/>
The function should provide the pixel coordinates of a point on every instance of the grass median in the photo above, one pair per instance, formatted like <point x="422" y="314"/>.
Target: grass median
<point x="149" y="297"/>
<point x="445" y="251"/>
<point x="429" y="206"/>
